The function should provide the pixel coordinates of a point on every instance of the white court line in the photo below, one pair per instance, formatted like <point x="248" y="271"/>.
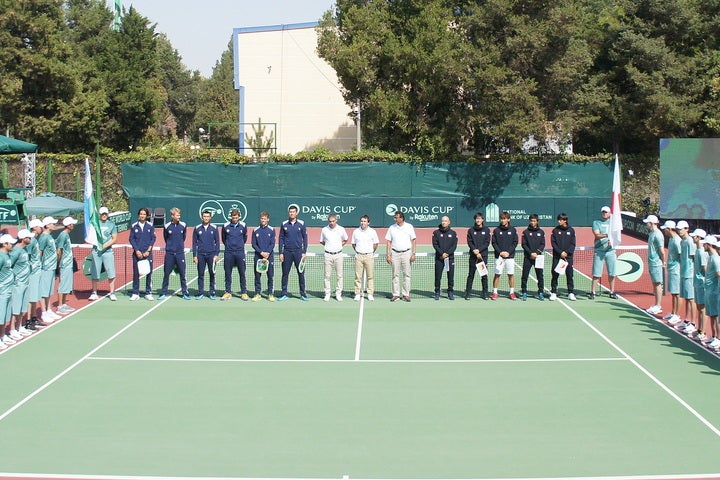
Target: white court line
<point x="652" y="377"/>
<point x="320" y="360"/>
<point x="78" y="362"/>
<point x="358" y="338"/>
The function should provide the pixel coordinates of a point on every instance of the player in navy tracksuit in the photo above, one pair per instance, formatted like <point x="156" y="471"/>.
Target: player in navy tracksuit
<point x="174" y="233"/>
<point x="478" y="240"/>
<point x="263" y="243"/>
<point x="444" y="241"/>
<point x="206" y="248"/>
<point x="292" y="247"/>
<point x="533" y="244"/>
<point x="234" y="237"/>
<point x="142" y="239"/>
<point x="562" y="240"/>
<point x="504" y="242"/>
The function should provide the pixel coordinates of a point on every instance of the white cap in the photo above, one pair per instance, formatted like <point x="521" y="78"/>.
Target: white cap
<point x="682" y="224"/>
<point x="605" y="209"/>
<point x="34" y="223"/>
<point x="104" y="210"/>
<point x="49" y="221"/>
<point x="651" y="219"/>
<point x="25" y="233"/>
<point x="711" y="240"/>
<point x="668" y="224"/>
<point x="7" y="238"/>
<point x="69" y="221"/>
<point x="698" y="232"/>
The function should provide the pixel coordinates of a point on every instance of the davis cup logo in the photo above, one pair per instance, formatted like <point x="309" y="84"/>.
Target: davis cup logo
<point x="629" y="267"/>
<point x="220" y="210"/>
<point x="391" y="208"/>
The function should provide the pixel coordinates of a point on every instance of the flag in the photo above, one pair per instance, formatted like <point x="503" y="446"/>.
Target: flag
<point x="615" y="215"/>
<point x="92" y="221"/>
<point x="116" y="19"/>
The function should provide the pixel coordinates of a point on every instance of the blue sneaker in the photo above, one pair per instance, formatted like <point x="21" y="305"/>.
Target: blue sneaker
<point x="199" y="297"/>
<point x="523" y="297"/>
<point x="282" y="298"/>
<point x="186" y="297"/>
<point x="212" y="297"/>
<point x="304" y="298"/>
<point x="162" y="297"/>
<point x="540" y="296"/>
<point x="451" y="296"/>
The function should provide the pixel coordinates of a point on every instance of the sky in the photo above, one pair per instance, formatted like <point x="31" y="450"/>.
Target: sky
<point x="200" y="30"/>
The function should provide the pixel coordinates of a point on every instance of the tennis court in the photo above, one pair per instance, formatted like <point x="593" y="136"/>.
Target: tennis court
<point x="463" y="389"/>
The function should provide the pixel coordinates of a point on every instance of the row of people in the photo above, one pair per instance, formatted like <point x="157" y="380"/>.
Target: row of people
<point x="693" y="278"/>
<point x="401" y="247"/>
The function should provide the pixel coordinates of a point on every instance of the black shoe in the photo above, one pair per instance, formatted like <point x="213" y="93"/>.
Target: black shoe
<point x="30" y="325"/>
<point x="451" y="296"/>
<point x="437" y="296"/>
<point x="591" y="296"/>
<point x="467" y="296"/>
<point x="484" y="295"/>
<point x="613" y="295"/>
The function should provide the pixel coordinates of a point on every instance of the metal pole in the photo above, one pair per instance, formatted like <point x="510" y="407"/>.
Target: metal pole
<point x="358" y="138"/>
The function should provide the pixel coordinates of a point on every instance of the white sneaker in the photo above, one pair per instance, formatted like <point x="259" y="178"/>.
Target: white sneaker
<point x="571" y="297"/>
<point x="668" y="316"/>
<point x="113" y="298"/>
<point x="15" y="335"/>
<point x="93" y="296"/>
<point x="654" y="310"/>
<point x="149" y="297"/>
<point x="134" y="297"/>
<point x="674" y="319"/>
<point x="338" y="297"/>
<point x="357" y="298"/>
<point x="689" y="329"/>
<point x="371" y="298"/>
<point x="553" y="297"/>
<point x="62" y="309"/>
<point x="54" y="315"/>
<point x="67" y="307"/>
<point x="326" y="298"/>
<point x="7" y="340"/>
<point x="2" y="345"/>
<point x="46" y="317"/>
<point x="25" y="332"/>
<point x="715" y="343"/>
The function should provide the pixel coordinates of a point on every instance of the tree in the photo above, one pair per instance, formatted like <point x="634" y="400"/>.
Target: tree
<point x="260" y="143"/>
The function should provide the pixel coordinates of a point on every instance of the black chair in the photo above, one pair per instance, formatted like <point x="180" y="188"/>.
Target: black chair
<point x="159" y="217"/>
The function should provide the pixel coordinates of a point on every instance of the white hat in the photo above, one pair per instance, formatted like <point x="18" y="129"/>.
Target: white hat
<point x="698" y="232"/>
<point x="49" y="221"/>
<point x="7" y="238"/>
<point x="711" y="240"/>
<point x="605" y="209"/>
<point x="651" y="219"/>
<point x="25" y="233"/>
<point x="104" y="210"/>
<point x="682" y="224"/>
<point x="34" y="223"/>
<point x="668" y="224"/>
<point x="69" y="221"/>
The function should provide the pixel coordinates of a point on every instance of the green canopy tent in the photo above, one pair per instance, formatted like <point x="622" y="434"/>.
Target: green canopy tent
<point x="9" y="146"/>
<point x="50" y="204"/>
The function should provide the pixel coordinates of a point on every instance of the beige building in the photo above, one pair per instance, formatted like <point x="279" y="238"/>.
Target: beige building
<point x="284" y="82"/>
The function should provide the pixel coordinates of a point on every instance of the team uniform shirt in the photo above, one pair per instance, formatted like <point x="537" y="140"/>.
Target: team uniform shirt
<point x="478" y="238"/>
<point x="46" y="244"/>
<point x="34" y="255"/>
<point x="107" y="230"/>
<point x="655" y="245"/>
<point x="21" y="265"/>
<point x="400" y="238"/>
<point x="700" y="264"/>
<point x="711" y="284"/>
<point x="533" y="241"/>
<point x="263" y="239"/>
<point x="142" y="236"/>
<point x="505" y="239"/>
<point x="234" y="237"/>
<point x="602" y="244"/>
<point x="365" y="240"/>
<point x="206" y="240"/>
<point x="687" y="251"/>
<point x="63" y="243"/>
<point x="673" y="261"/>
<point x="444" y="241"/>
<point x="333" y="238"/>
<point x="7" y="277"/>
<point x="293" y="237"/>
<point x="174" y="235"/>
<point x="562" y="240"/>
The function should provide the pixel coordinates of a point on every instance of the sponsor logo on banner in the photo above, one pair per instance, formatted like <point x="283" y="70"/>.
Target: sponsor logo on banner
<point x="220" y="210"/>
<point x="419" y="213"/>
<point x="8" y="214"/>
<point x="322" y="211"/>
<point x="629" y="267"/>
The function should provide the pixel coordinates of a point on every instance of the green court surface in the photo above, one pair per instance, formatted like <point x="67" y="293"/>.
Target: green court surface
<point x="377" y="390"/>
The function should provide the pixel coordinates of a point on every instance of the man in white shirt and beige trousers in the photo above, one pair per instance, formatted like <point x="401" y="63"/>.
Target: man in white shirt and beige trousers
<point x="365" y="241"/>
<point x="333" y="237"/>
<point x="401" y="247"/>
